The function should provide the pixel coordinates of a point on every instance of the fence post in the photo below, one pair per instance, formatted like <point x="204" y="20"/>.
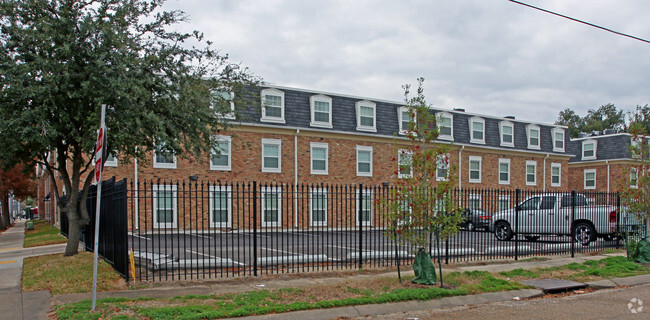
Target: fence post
<point x="618" y="220"/>
<point x="517" y="199"/>
<point x="359" y="216"/>
<point x="255" y="228"/>
<point x="573" y="230"/>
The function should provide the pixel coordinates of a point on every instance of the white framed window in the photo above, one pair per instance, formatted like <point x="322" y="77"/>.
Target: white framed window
<point x="504" y="203"/>
<point x="589" y="148"/>
<point x="474" y="201"/>
<point x="318" y="208"/>
<point x="321" y="111"/>
<point x="272" y="106"/>
<point x="163" y="159"/>
<point x="556" y="174"/>
<point x="404" y="164"/>
<point x="634" y="178"/>
<point x="507" y="133"/>
<point x="227" y="99"/>
<point x="165" y="206"/>
<point x="319" y="155"/>
<point x="271" y="155"/>
<point x="590" y="178"/>
<point x="363" y="211"/>
<point x="220" y="206"/>
<point x="531" y="173"/>
<point x="504" y="171"/>
<point x="111" y="161"/>
<point x="558" y="139"/>
<point x="442" y="167"/>
<point x="364" y="161"/>
<point x="366" y="116"/>
<point x="532" y="134"/>
<point x="220" y="158"/>
<point x="405" y="116"/>
<point x="477" y="130"/>
<point x="271" y="206"/>
<point x="445" y="122"/>
<point x="475" y="163"/>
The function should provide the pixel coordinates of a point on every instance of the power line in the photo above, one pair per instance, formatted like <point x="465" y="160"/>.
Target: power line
<point x="580" y="21"/>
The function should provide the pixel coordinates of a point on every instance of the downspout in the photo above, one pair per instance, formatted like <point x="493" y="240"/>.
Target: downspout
<point x="295" y="179"/>
<point x="607" y="162"/>
<point x="544" y="174"/>
<point x="460" y="167"/>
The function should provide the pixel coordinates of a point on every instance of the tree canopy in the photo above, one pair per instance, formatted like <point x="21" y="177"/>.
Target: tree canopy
<point x="16" y="182"/>
<point x="605" y="117"/>
<point x="60" y="60"/>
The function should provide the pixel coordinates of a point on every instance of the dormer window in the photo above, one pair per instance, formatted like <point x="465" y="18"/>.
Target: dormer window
<point x="321" y="111"/>
<point x="477" y="130"/>
<point x="589" y="149"/>
<point x="366" y="117"/>
<point x="445" y="126"/>
<point x="405" y="116"/>
<point x="558" y="139"/>
<point x="272" y="106"/>
<point x="223" y="102"/>
<point x="532" y="132"/>
<point x="507" y="132"/>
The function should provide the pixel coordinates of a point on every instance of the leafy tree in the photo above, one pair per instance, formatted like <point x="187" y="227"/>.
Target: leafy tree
<point x="62" y="59"/>
<point x="605" y="117"/>
<point x="421" y="204"/>
<point x="16" y="182"/>
<point x="635" y="195"/>
<point x="640" y="116"/>
<point x="569" y="118"/>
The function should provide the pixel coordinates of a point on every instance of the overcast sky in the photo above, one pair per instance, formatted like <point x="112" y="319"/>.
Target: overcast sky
<point x="491" y="57"/>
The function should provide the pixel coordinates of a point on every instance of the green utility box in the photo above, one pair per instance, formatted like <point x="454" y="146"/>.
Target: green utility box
<point x="30" y="225"/>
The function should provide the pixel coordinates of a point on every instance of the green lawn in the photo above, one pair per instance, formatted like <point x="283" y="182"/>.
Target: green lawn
<point x="43" y="234"/>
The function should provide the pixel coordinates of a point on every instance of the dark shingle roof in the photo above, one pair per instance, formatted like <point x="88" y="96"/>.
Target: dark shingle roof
<point x="609" y="147"/>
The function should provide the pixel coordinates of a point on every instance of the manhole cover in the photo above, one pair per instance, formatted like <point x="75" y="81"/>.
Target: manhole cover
<point x="555" y="285"/>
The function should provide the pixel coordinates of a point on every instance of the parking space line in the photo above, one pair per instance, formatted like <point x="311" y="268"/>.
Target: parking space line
<point x="198" y="236"/>
<point x="211" y="256"/>
<point x="277" y="250"/>
<point x="141" y="237"/>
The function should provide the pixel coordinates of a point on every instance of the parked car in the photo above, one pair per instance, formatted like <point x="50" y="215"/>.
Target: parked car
<point x="550" y="214"/>
<point x="475" y="219"/>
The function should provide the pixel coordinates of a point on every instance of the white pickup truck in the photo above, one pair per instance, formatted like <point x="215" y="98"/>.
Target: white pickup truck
<point x="550" y="214"/>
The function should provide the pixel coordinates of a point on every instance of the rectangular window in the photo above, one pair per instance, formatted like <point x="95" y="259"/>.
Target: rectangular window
<point x="271" y="155"/>
<point x="163" y="158"/>
<point x="220" y="158"/>
<point x="445" y="126"/>
<point x="558" y="140"/>
<point x="404" y="164"/>
<point x="318" y="207"/>
<point x="442" y="167"/>
<point x="164" y="206"/>
<point x="533" y="137"/>
<point x="364" y="161"/>
<point x="507" y="134"/>
<point x="474" y="201"/>
<point x="319" y="161"/>
<point x="531" y="173"/>
<point x="634" y="178"/>
<point x="364" y="208"/>
<point x="477" y="130"/>
<point x="111" y="161"/>
<point x="405" y="117"/>
<point x="556" y="174"/>
<point x="271" y="207"/>
<point x="474" y="169"/>
<point x="504" y="203"/>
<point x="590" y="178"/>
<point x="588" y="150"/>
<point x="223" y="102"/>
<point x="220" y="206"/>
<point x="272" y="106"/>
<point x="321" y="111"/>
<point x="366" y="116"/>
<point x="504" y="171"/>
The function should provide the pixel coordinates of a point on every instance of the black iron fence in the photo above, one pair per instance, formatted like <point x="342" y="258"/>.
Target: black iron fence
<point x="186" y="230"/>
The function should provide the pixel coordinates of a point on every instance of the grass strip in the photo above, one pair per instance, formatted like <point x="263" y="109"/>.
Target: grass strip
<point x="42" y="235"/>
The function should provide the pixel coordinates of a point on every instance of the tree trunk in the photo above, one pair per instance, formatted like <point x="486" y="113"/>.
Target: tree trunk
<point x="74" y="233"/>
<point x="5" y="222"/>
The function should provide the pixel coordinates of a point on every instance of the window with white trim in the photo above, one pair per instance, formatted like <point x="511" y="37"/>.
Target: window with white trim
<point x="364" y="208"/>
<point x="634" y="178"/>
<point x="406" y="212"/>
<point x="163" y="158"/>
<point x="220" y="158"/>
<point x="111" y="161"/>
<point x="445" y="122"/>
<point x="504" y="203"/>
<point x="590" y="179"/>
<point x="504" y="171"/>
<point x="272" y="106"/>
<point x="271" y="206"/>
<point x="558" y="139"/>
<point x="319" y="155"/>
<point x="442" y="167"/>
<point x="271" y="155"/>
<point x="474" y="201"/>
<point x="223" y="101"/>
<point x="531" y="173"/>
<point x="507" y="132"/>
<point x="364" y="161"/>
<point x="556" y="174"/>
<point x="220" y="206"/>
<point x="405" y="116"/>
<point x="318" y="208"/>
<point x="321" y="111"/>
<point x="366" y="116"/>
<point x="589" y="148"/>
<point x="165" y="206"/>
<point x="404" y="164"/>
<point x="475" y="163"/>
<point x="477" y="130"/>
<point x="532" y="133"/>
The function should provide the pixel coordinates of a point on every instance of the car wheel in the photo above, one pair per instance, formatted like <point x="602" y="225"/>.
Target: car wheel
<point x="584" y="233"/>
<point x="502" y="231"/>
<point x="532" y="238"/>
<point x="470" y="226"/>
